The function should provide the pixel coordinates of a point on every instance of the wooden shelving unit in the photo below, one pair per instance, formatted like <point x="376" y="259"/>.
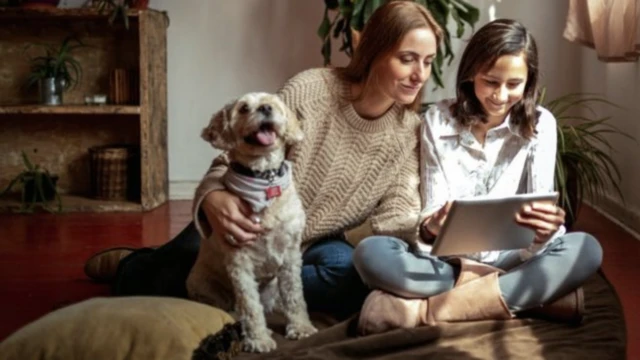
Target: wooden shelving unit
<point x="74" y="203"/>
<point x="71" y="109"/>
<point x="65" y="14"/>
<point x="59" y="137"/>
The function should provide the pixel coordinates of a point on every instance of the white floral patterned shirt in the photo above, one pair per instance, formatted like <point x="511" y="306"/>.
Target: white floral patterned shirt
<point x="456" y="165"/>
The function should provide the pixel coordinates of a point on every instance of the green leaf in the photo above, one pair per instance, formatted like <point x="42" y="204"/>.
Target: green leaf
<point x="11" y="184"/>
<point x="27" y="162"/>
<point x="345" y="7"/>
<point x="467" y="12"/>
<point x="369" y="8"/>
<point x="337" y="29"/>
<point x="326" y="51"/>
<point x="358" y="17"/>
<point x="325" y="25"/>
<point x="331" y="4"/>
<point x="460" y="25"/>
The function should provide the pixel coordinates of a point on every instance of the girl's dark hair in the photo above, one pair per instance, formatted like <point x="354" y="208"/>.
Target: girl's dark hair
<point x="495" y="39"/>
<point x="382" y="35"/>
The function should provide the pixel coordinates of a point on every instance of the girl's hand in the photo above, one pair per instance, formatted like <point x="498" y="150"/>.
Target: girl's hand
<point x="542" y="217"/>
<point x="433" y="224"/>
<point x="228" y="216"/>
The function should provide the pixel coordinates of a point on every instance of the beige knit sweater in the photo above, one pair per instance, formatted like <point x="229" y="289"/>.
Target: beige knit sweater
<point x="347" y="169"/>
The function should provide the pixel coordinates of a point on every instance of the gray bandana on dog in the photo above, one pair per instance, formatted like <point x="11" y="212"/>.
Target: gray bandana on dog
<point x="259" y="193"/>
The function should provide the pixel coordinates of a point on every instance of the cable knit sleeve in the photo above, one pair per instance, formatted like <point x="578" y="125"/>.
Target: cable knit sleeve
<point x="212" y="181"/>
<point x="398" y="212"/>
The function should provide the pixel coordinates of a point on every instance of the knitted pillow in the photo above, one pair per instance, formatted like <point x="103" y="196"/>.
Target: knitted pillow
<point x="118" y="328"/>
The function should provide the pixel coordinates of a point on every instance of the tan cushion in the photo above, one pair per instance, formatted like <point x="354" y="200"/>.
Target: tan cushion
<point x="117" y="328"/>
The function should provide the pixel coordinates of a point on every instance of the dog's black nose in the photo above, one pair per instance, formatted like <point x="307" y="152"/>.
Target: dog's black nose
<point x="265" y="109"/>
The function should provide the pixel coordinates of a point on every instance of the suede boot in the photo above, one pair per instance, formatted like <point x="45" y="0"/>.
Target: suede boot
<point x="567" y="309"/>
<point x="383" y="312"/>
<point x="478" y="299"/>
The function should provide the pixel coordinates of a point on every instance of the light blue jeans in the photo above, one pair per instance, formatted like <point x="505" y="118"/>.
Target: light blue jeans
<point x="387" y="263"/>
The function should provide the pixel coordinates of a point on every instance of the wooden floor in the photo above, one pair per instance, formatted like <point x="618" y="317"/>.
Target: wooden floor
<point x="42" y="258"/>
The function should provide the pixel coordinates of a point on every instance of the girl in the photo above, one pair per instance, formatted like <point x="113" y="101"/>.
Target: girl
<point x="358" y="160"/>
<point x="492" y="139"/>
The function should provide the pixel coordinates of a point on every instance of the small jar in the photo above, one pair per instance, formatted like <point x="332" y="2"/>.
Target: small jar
<point x="99" y="99"/>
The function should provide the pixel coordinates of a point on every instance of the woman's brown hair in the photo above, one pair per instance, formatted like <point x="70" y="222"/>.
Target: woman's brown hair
<point x="382" y="35"/>
<point x="495" y="39"/>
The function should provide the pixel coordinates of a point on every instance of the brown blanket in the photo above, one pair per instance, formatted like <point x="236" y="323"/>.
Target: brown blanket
<point x="601" y="336"/>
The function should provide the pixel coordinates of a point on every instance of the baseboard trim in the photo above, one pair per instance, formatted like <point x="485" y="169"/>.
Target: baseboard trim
<point x="182" y="190"/>
<point x="626" y="217"/>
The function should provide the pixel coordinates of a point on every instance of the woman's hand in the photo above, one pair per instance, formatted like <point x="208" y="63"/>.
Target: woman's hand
<point x="433" y="224"/>
<point x="542" y="217"/>
<point x="228" y="216"/>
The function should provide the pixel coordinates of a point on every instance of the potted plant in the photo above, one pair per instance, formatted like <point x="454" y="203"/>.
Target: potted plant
<point x="39" y="187"/>
<point x="119" y="8"/>
<point x="349" y="17"/>
<point x="56" y="71"/>
<point x="584" y="168"/>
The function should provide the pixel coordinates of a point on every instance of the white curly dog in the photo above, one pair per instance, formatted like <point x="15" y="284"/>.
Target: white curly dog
<point x="265" y="275"/>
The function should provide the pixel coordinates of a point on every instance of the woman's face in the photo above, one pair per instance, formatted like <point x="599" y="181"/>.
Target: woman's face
<point x="502" y="86"/>
<point x="401" y="75"/>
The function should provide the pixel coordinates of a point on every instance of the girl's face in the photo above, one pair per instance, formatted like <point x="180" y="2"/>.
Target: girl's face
<point x="502" y="86"/>
<point x="401" y="75"/>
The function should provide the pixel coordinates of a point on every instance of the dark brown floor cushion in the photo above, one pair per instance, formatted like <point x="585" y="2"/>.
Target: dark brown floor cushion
<point x="117" y="328"/>
<point x="601" y="336"/>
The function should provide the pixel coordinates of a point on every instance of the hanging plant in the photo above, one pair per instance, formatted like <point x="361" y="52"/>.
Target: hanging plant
<point x="343" y="17"/>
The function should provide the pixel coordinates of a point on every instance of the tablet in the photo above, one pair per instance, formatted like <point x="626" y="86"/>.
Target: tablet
<point x="486" y="223"/>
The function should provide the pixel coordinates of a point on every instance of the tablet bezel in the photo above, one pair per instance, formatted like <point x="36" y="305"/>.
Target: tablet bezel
<point x="481" y="224"/>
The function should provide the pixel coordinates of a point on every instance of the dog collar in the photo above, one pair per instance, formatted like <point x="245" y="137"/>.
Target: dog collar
<point x="258" y="188"/>
<point x="266" y="175"/>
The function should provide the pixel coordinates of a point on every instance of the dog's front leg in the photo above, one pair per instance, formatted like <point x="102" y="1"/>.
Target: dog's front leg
<point x="248" y="306"/>
<point x="293" y="305"/>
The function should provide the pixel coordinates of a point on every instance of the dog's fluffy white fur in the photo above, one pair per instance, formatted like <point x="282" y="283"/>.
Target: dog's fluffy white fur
<point x="266" y="275"/>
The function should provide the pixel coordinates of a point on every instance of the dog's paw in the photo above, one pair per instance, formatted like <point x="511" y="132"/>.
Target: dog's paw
<point x="300" y="330"/>
<point x="259" y="345"/>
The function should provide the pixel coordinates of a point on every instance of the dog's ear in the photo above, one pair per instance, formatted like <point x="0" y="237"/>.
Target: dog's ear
<point x="293" y="133"/>
<point x="219" y="133"/>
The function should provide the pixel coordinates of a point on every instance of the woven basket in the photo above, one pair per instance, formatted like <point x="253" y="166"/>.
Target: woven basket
<point x="114" y="172"/>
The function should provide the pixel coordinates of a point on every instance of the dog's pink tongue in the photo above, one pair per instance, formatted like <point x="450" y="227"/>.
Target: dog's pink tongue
<point x="266" y="137"/>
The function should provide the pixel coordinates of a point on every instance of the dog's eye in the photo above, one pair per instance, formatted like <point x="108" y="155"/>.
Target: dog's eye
<point x="243" y="109"/>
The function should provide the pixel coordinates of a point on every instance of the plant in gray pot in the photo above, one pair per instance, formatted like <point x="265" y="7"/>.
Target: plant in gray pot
<point x="56" y="71"/>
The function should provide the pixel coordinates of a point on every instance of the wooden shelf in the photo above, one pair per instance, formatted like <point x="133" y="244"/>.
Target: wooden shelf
<point x="18" y="13"/>
<point x="59" y="138"/>
<point x="70" y="109"/>
<point x="74" y="203"/>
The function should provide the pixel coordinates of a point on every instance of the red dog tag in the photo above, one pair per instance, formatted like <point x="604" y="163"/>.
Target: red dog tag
<point x="273" y="191"/>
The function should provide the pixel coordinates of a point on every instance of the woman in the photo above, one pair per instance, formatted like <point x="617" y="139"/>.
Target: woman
<point x="358" y="160"/>
<point x="492" y="139"/>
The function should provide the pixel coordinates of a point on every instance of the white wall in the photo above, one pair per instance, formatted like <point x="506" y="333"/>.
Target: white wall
<point x="619" y="83"/>
<point x="219" y="49"/>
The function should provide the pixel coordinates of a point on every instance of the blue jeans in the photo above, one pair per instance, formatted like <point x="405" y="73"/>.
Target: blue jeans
<point x="330" y="281"/>
<point x="389" y="264"/>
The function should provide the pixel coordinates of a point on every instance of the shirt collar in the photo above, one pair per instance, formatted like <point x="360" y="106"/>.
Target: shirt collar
<point x="455" y="129"/>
